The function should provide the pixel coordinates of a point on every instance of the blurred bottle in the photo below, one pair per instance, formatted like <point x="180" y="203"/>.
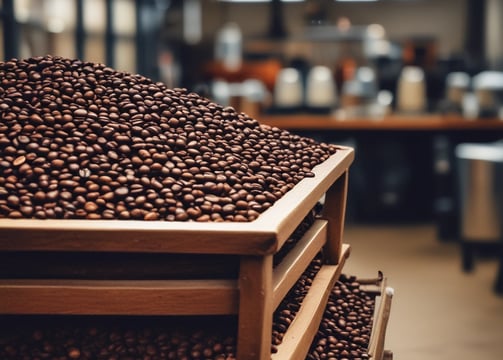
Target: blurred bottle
<point x="229" y="47"/>
<point x="320" y="89"/>
<point x="288" y="90"/>
<point x="411" y="92"/>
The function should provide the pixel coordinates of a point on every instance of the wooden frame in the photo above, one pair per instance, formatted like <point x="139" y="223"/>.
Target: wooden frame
<point x="253" y="295"/>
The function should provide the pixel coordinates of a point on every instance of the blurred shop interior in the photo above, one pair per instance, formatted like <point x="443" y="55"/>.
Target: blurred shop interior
<point x="403" y="81"/>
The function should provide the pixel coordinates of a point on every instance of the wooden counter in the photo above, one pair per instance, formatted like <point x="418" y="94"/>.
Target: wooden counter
<point x="427" y="122"/>
<point x="399" y="147"/>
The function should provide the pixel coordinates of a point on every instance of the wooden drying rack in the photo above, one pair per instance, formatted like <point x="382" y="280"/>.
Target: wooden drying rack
<point x="252" y="295"/>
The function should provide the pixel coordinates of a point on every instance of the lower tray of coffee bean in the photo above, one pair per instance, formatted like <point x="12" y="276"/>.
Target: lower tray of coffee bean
<point x="344" y="332"/>
<point x="145" y="338"/>
<point x="345" y="329"/>
<point x="352" y="325"/>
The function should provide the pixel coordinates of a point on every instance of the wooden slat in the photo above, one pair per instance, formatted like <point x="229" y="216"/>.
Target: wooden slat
<point x="379" y="300"/>
<point x="134" y="236"/>
<point x="124" y="297"/>
<point x="334" y="211"/>
<point x="294" y="264"/>
<point x="376" y="344"/>
<point x="255" y="308"/>
<point x="300" y="334"/>
<point x="265" y="235"/>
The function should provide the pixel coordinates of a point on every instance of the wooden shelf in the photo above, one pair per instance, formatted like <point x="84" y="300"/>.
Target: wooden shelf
<point x="389" y="123"/>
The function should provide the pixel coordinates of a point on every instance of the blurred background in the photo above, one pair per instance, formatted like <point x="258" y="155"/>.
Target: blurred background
<point x="315" y="67"/>
<point x="415" y="86"/>
<point x="193" y="42"/>
<point x="402" y="81"/>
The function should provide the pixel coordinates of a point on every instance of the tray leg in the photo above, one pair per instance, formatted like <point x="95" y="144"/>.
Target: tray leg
<point x="334" y="212"/>
<point x="255" y="308"/>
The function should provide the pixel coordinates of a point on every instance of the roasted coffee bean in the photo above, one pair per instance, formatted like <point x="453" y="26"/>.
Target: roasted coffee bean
<point x="19" y="160"/>
<point x="68" y="125"/>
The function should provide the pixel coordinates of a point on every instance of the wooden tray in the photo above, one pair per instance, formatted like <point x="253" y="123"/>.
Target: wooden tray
<point x="265" y="235"/>
<point x="253" y="293"/>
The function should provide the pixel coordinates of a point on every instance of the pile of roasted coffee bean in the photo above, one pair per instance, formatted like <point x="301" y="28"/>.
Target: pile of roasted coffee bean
<point x="81" y="140"/>
<point x="344" y="332"/>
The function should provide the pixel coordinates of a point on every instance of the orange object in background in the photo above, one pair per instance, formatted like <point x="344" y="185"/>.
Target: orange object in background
<point x="263" y="70"/>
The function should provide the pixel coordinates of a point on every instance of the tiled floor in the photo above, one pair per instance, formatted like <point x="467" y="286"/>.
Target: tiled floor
<point x="438" y="312"/>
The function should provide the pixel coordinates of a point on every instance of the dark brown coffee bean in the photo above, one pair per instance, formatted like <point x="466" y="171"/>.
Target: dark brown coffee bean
<point x="90" y="206"/>
<point x="19" y="160"/>
<point x="151" y="216"/>
<point x="80" y="112"/>
<point x="27" y="211"/>
<point x="122" y="191"/>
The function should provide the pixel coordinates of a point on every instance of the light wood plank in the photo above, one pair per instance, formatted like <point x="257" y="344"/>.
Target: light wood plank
<point x="300" y="334"/>
<point x="135" y="236"/>
<point x="334" y="210"/>
<point x="125" y="297"/>
<point x="255" y="308"/>
<point x="379" y="300"/>
<point x="376" y="344"/>
<point x="295" y="263"/>
<point x="263" y="236"/>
